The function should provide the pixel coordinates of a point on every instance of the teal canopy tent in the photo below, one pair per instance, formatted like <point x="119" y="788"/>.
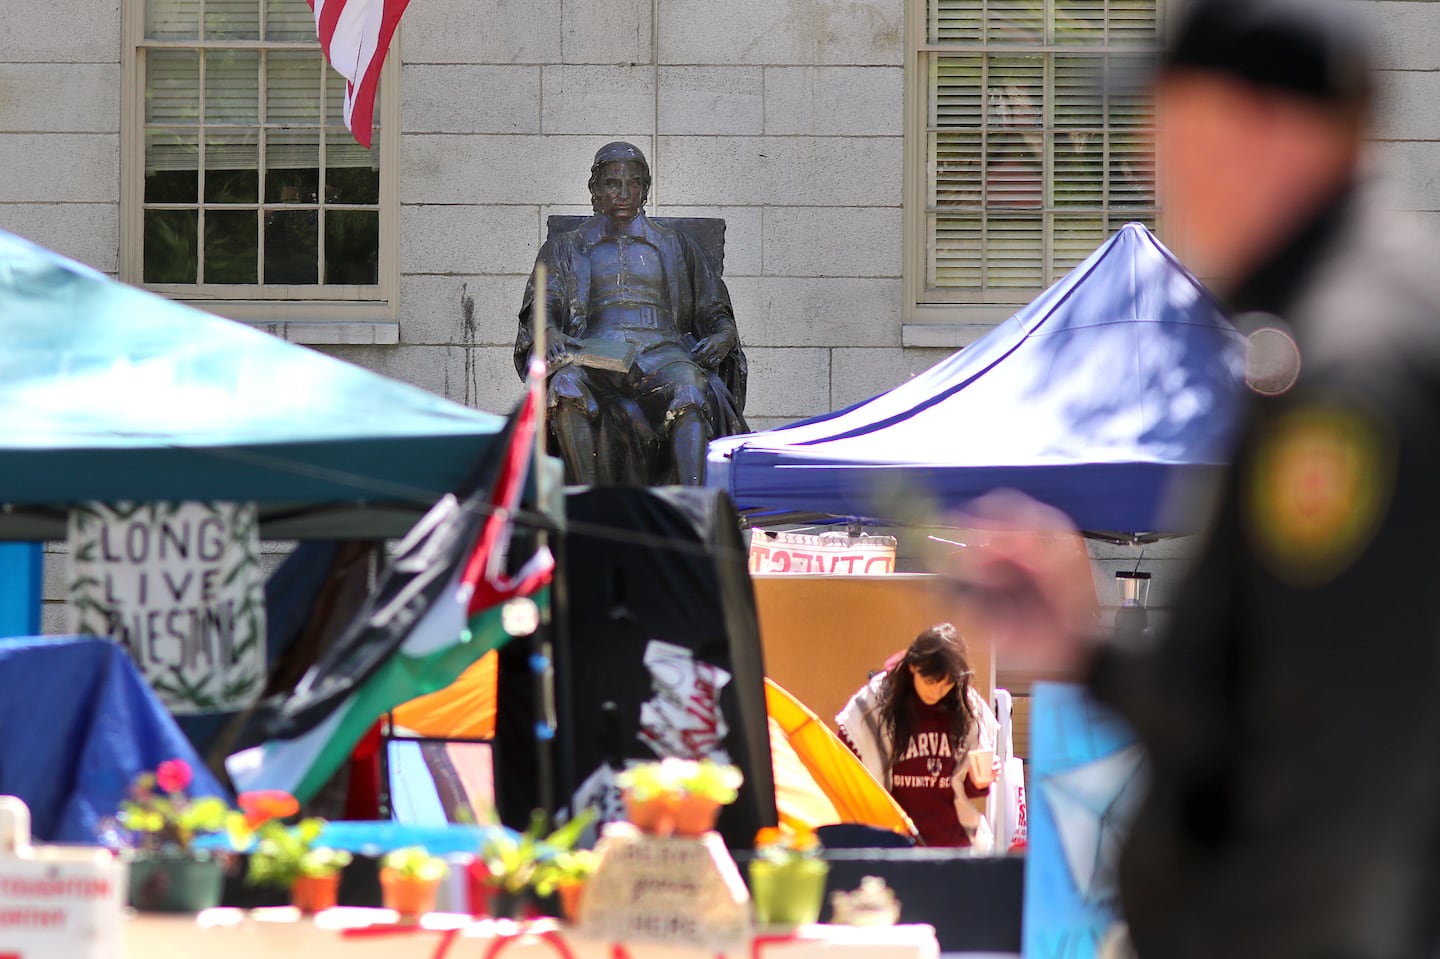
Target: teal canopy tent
<point x="111" y="393"/>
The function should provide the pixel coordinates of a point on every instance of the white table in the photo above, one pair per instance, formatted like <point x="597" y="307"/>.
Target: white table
<point x="350" y="933"/>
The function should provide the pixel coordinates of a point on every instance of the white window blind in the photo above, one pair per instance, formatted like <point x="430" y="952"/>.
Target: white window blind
<point x="1032" y="158"/>
<point x="251" y="179"/>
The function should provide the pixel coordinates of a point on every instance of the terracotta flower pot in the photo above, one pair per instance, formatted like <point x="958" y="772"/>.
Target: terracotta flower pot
<point x="787" y="894"/>
<point x="312" y="894"/>
<point x="410" y="897"/>
<point x="570" y="894"/>
<point x="654" y="815"/>
<point x="695" y="815"/>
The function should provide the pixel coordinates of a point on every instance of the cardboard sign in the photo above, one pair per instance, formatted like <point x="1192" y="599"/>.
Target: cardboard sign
<point x="799" y="553"/>
<point x="681" y="891"/>
<point x="180" y="586"/>
<point x="56" y="901"/>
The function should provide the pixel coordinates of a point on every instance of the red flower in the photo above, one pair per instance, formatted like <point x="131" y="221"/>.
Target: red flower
<point x="262" y="805"/>
<point x="173" y="775"/>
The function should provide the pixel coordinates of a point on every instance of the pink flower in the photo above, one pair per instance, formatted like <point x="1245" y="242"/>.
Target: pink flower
<point x="173" y="775"/>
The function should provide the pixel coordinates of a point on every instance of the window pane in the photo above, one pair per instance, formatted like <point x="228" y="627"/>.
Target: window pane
<point x="956" y="176"/>
<point x="1014" y="170"/>
<point x="955" y="85"/>
<point x="288" y="20"/>
<point x="335" y="100"/>
<point x="172" y="19"/>
<point x="1132" y="171"/>
<point x="1015" y="21"/>
<point x="954" y="21"/>
<point x="232" y="19"/>
<point x="292" y="167"/>
<point x="1073" y="239"/>
<point x="232" y="168"/>
<point x="170" y="247"/>
<point x="232" y="86"/>
<point x="352" y="172"/>
<point x="231" y="247"/>
<point x="292" y="87"/>
<point x="292" y="247"/>
<point x="956" y="254"/>
<point x="352" y="244"/>
<point x="1013" y="256"/>
<point x="1078" y="86"/>
<point x="172" y="162"/>
<point x="1080" y="22"/>
<point x="172" y="86"/>
<point x="1079" y="169"/>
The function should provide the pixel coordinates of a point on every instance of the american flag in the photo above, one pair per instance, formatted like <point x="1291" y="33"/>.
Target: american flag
<point x="355" y="34"/>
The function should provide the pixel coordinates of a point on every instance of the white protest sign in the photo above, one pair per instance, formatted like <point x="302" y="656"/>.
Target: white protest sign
<point x="799" y="553"/>
<point x="180" y="586"/>
<point x="56" y="901"/>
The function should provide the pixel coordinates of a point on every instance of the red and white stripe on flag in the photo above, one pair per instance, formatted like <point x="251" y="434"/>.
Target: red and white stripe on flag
<point x="355" y="34"/>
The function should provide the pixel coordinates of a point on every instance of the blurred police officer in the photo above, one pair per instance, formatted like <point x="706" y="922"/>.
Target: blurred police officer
<point x="1292" y="715"/>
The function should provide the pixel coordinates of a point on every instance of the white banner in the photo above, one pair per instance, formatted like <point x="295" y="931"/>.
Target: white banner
<point x="799" y="553"/>
<point x="180" y="586"/>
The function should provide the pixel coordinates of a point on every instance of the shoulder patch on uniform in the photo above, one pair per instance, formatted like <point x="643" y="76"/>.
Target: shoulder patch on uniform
<point x="1319" y="485"/>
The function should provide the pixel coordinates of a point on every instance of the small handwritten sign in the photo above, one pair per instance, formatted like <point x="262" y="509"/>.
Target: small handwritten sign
<point x="180" y="586"/>
<point x="800" y="553"/>
<point x="672" y="890"/>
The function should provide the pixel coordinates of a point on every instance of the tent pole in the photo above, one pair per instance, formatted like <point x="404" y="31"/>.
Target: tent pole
<point x="542" y="647"/>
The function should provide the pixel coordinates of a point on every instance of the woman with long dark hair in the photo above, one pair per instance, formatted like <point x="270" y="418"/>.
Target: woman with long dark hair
<point x="915" y="726"/>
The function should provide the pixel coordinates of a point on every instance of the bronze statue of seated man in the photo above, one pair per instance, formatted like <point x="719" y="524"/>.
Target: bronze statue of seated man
<point x="644" y="360"/>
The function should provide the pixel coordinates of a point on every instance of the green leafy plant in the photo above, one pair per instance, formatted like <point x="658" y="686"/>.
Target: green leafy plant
<point x="285" y="853"/>
<point x="574" y="866"/>
<point x="514" y="863"/>
<point x="414" y="862"/>
<point x="713" y="781"/>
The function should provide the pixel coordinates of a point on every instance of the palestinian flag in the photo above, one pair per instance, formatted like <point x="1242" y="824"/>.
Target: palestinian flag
<point x="437" y="609"/>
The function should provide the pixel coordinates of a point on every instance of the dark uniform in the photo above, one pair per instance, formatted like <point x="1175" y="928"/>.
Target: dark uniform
<point x="1293" y="714"/>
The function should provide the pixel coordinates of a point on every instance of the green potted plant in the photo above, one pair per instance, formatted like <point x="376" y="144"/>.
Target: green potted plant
<point x="564" y="876"/>
<point x="161" y="822"/>
<point x="787" y="877"/>
<point x="287" y="857"/>
<point x="409" y="878"/>
<point x="514" y="864"/>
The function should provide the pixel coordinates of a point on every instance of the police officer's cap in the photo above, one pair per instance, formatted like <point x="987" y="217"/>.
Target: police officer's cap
<point x="1316" y="49"/>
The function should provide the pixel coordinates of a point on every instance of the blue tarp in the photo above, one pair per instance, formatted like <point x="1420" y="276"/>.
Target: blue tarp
<point x="77" y="725"/>
<point x="108" y="392"/>
<point x="1102" y="397"/>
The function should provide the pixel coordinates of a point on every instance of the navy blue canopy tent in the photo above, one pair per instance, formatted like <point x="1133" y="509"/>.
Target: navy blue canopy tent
<point x="109" y="393"/>
<point x="1104" y="397"/>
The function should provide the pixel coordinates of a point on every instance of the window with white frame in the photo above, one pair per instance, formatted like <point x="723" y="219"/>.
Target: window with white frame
<point x="1030" y="157"/>
<point x="244" y="183"/>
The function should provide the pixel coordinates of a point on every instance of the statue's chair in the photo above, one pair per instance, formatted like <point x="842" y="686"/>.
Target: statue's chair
<point x="624" y="428"/>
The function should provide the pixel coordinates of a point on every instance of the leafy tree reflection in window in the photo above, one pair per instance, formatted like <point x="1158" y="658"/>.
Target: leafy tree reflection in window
<point x="1031" y="163"/>
<point x="251" y="179"/>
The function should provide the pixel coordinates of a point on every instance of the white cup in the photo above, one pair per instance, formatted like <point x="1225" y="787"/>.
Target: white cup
<point x="982" y="767"/>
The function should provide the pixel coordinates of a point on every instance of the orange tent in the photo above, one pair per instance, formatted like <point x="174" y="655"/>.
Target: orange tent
<point x="836" y="771"/>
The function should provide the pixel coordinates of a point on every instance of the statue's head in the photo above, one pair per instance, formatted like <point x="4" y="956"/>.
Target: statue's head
<point x="619" y="181"/>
